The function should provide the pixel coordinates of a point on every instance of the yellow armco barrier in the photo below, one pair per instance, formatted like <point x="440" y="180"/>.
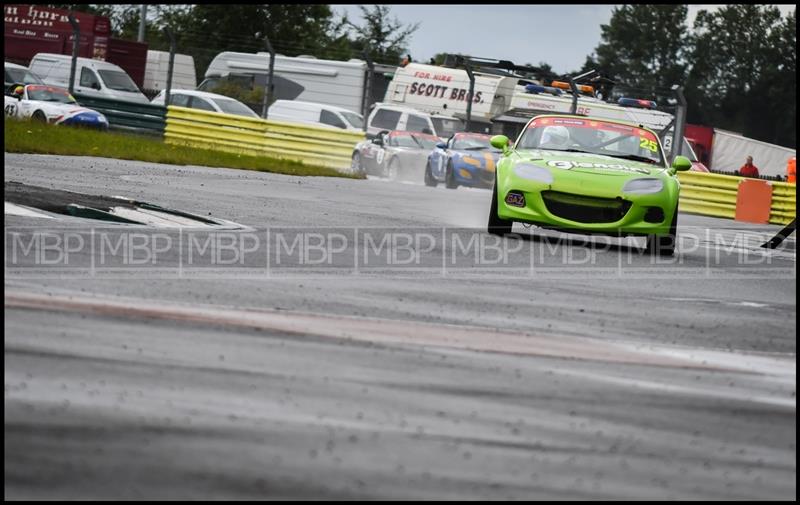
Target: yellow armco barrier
<point x="225" y="132"/>
<point x="784" y="203"/>
<point x="715" y="195"/>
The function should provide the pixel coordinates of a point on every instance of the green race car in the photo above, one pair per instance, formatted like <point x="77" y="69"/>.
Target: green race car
<point x="584" y="175"/>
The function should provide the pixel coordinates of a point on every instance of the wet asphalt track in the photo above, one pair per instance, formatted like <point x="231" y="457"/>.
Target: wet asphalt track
<point x="578" y="369"/>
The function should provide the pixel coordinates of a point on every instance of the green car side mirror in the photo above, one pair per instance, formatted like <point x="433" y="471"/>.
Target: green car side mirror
<point x="681" y="164"/>
<point x="500" y="142"/>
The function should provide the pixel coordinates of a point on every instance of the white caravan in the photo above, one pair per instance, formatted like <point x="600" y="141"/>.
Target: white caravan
<point x="303" y="78"/>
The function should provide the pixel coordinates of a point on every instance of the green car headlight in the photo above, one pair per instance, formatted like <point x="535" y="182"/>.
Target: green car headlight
<point x="644" y="185"/>
<point x="533" y="173"/>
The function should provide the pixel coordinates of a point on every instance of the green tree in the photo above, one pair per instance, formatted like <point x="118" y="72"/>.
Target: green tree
<point x="208" y="29"/>
<point x="438" y="58"/>
<point x="779" y="83"/>
<point x="113" y="12"/>
<point x="642" y="46"/>
<point x="96" y="9"/>
<point x="743" y="74"/>
<point x="386" y="38"/>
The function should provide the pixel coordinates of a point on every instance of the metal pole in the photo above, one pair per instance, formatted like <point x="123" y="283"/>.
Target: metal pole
<point x="76" y="34"/>
<point x="680" y="124"/>
<point x="171" y="64"/>
<point x="142" y="17"/>
<point x="268" y="91"/>
<point x="574" y="87"/>
<point x="470" y="94"/>
<point x="367" y="86"/>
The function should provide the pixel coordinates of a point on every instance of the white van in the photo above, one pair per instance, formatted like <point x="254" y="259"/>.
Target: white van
<point x="393" y="117"/>
<point x="157" y="71"/>
<point x="316" y="114"/>
<point x="93" y="78"/>
<point x="17" y="74"/>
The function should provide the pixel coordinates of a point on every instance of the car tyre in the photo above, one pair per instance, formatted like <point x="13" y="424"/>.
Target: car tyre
<point x="39" y="116"/>
<point x="664" y="245"/>
<point x="429" y="180"/>
<point x="392" y="172"/>
<point x="355" y="164"/>
<point x="497" y="225"/>
<point x="450" y="177"/>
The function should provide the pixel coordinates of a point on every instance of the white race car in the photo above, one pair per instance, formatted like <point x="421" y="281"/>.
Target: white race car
<point x="50" y="104"/>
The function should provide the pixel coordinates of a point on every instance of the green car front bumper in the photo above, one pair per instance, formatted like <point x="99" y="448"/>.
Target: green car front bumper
<point x="573" y="203"/>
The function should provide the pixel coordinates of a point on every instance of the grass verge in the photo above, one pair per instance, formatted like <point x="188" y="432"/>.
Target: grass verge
<point x="38" y="138"/>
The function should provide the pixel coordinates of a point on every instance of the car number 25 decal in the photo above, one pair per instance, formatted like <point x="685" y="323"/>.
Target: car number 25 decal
<point x="646" y="143"/>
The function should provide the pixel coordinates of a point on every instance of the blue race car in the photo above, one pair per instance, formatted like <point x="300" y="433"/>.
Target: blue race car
<point x="467" y="159"/>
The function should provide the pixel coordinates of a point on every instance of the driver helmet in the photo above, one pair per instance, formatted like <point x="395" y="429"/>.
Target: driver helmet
<point x="18" y="90"/>
<point x="630" y="144"/>
<point x="555" y="137"/>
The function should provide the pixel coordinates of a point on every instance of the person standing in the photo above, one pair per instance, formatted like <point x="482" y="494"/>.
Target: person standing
<point x="748" y="169"/>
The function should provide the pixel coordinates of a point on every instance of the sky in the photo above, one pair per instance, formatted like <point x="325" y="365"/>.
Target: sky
<point x="560" y="35"/>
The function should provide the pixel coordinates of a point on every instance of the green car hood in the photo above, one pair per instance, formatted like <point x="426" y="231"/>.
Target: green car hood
<point x="595" y="164"/>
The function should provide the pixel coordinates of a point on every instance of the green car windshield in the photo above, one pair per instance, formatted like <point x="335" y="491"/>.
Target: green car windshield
<point x="592" y="136"/>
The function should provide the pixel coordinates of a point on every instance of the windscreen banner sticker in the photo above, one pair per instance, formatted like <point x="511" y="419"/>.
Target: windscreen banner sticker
<point x="596" y="125"/>
<point x="479" y="136"/>
<point x="567" y="165"/>
<point x="43" y="87"/>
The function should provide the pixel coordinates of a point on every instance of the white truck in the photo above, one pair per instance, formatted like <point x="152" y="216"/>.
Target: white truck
<point x="157" y="69"/>
<point x="441" y="90"/>
<point x="524" y="105"/>
<point x="305" y="78"/>
<point x="501" y="104"/>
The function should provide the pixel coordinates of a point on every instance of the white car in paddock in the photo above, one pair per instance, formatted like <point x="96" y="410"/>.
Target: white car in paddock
<point x="50" y="104"/>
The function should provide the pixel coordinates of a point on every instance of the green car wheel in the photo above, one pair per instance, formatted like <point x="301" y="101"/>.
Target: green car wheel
<point x="497" y="226"/>
<point x="664" y="245"/>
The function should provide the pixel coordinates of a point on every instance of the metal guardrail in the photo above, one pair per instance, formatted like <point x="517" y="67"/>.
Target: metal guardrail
<point x="129" y="116"/>
<point x="309" y="144"/>
<point x="715" y="195"/>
